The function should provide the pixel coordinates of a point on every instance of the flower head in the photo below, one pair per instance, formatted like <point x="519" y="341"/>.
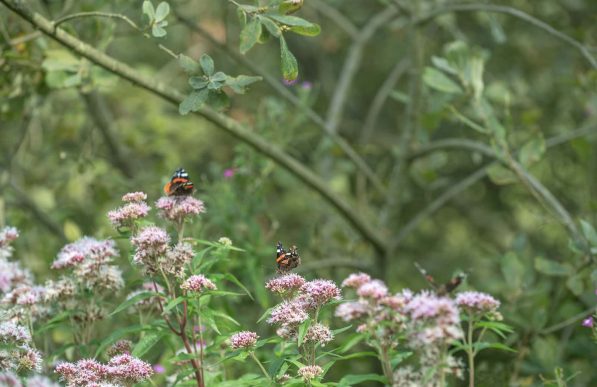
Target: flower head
<point x="319" y="333"/>
<point x="375" y="289"/>
<point x="435" y="318"/>
<point x="134" y="197"/>
<point x="477" y="302"/>
<point x="196" y="284"/>
<point x="229" y="172"/>
<point x="588" y="322"/>
<point x="151" y="243"/>
<point x="125" y="216"/>
<point x="120" y="347"/>
<point x="128" y="368"/>
<point x="356" y="280"/>
<point x="177" y="208"/>
<point x="177" y="258"/>
<point x="310" y="372"/>
<point x="158" y="368"/>
<point x="321" y="291"/>
<point x="285" y="284"/>
<point x="352" y="310"/>
<point x="244" y="339"/>
<point x="288" y="313"/>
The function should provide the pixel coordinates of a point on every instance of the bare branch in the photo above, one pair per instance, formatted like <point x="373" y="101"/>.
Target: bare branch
<point x="336" y="16"/>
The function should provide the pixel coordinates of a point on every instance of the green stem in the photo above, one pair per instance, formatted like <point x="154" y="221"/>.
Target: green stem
<point x="97" y="14"/>
<point x="260" y="366"/>
<point x="386" y="366"/>
<point x="470" y="352"/>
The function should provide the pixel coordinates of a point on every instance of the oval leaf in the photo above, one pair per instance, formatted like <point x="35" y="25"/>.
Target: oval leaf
<point x="250" y="35"/>
<point x="289" y="65"/>
<point x="439" y="81"/>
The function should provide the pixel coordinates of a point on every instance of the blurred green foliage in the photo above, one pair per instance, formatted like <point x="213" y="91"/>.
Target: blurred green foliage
<point x="75" y="137"/>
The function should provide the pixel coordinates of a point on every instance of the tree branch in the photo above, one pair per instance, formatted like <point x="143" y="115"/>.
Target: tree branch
<point x="336" y="16"/>
<point x="283" y="91"/>
<point x="232" y="127"/>
<point x="516" y="13"/>
<point x="96" y="14"/>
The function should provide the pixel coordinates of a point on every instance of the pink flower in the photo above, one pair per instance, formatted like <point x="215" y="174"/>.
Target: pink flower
<point x="134" y="197"/>
<point x="310" y="372"/>
<point x="8" y="379"/>
<point x="229" y="172"/>
<point x="126" y="215"/>
<point x="158" y="368"/>
<point x="288" y="313"/>
<point x="356" y="280"/>
<point x="177" y="208"/>
<point x="196" y="283"/>
<point x="352" y="310"/>
<point x="120" y="347"/>
<point x="289" y="82"/>
<point x="151" y="243"/>
<point x="588" y="322"/>
<point x="477" y="302"/>
<point x="374" y="289"/>
<point x="177" y="258"/>
<point x="11" y="333"/>
<point x="128" y="368"/>
<point x="95" y="252"/>
<point x="321" y="291"/>
<point x="244" y="339"/>
<point x="435" y="319"/>
<point x="319" y="333"/>
<point x="285" y="284"/>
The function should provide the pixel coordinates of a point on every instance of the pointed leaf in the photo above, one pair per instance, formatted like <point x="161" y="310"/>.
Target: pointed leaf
<point x="289" y="65"/>
<point x="238" y="84"/>
<point x="147" y="342"/>
<point x="133" y="300"/>
<point x="271" y="27"/>
<point x="250" y="35"/>
<point x="193" y="101"/>
<point x="439" y="81"/>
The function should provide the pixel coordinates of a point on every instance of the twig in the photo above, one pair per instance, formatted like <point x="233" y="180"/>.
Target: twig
<point x="565" y="323"/>
<point x="336" y="16"/>
<point x="231" y="126"/>
<point x="516" y="13"/>
<point x="352" y="64"/>
<point x="96" y="14"/>
<point x="283" y="91"/>
<point x="103" y="119"/>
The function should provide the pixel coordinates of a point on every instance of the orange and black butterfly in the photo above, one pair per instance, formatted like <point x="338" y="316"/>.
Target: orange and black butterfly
<point x="442" y="289"/>
<point x="179" y="184"/>
<point x="287" y="260"/>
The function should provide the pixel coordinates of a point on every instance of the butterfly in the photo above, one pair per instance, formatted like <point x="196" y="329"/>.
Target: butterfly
<point x="179" y="184"/>
<point x="287" y="260"/>
<point x="442" y="289"/>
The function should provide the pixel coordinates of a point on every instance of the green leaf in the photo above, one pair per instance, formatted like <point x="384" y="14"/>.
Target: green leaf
<point x="148" y="10"/>
<point x="589" y="232"/>
<point x="162" y="11"/>
<point x="289" y="65"/>
<point x="250" y="35"/>
<point x="230" y="277"/>
<point x="553" y="268"/>
<point x="271" y="27"/>
<point x="289" y="6"/>
<point x="444" y="65"/>
<point x="133" y="300"/>
<point x="238" y="84"/>
<point x="351" y="380"/>
<point x="312" y="30"/>
<point x="218" y="100"/>
<point x="198" y="82"/>
<point x="291" y="20"/>
<point x="218" y="77"/>
<point x="302" y="331"/>
<point x="189" y="65"/>
<point x="172" y="303"/>
<point x="532" y="151"/>
<point x="439" y="81"/>
<point x="207" y="64"/>
<point x="157" y="31"/>
<point x="513" y="270"/>
<point x="501" y="175"/>
<point x="147" y="342"/>
<point x="576" y="284"/>
<point x="193" y="102"/>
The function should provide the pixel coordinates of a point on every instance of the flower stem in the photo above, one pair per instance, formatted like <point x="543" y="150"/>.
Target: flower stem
<point x="385" y="364"/>
<point x="260" y="366"/>
<point x="470" y="352"/>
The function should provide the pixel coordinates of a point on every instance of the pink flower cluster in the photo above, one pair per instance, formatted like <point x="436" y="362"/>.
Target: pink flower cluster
<point x="21" y="356"/>
<point x="310" y="372"/>
<point x="121" y="369"/>
<point x="134" y="209"/>
<point x="300" y="298"/>
<point x="319" y="333"/>
<point x="151" y="243"/>
<point x="196" y="284"/>
<point x="477" y="302"/>
<point x="90" y="260"/>
<point x="177" y="258"/>
<point x="244" y="339"/>
<point x="7" y="236"/>
<point x="177" y="208"/>
<point x="285" y="285"/>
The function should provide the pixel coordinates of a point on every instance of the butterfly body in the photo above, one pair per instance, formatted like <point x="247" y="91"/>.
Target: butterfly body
<point x="442" y="289"/>
<point x="287" y="260"/>
<point x="179" y="184"/>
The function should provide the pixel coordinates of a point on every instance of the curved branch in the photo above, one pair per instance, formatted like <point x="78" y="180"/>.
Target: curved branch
<point x="351" y="65"/>
<point x="516" y="13"/>
<point x="337" y="17"/>
<point x="96" y="14"/>
<point x="237" y="130"/>
<point x="275" y="84"/>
